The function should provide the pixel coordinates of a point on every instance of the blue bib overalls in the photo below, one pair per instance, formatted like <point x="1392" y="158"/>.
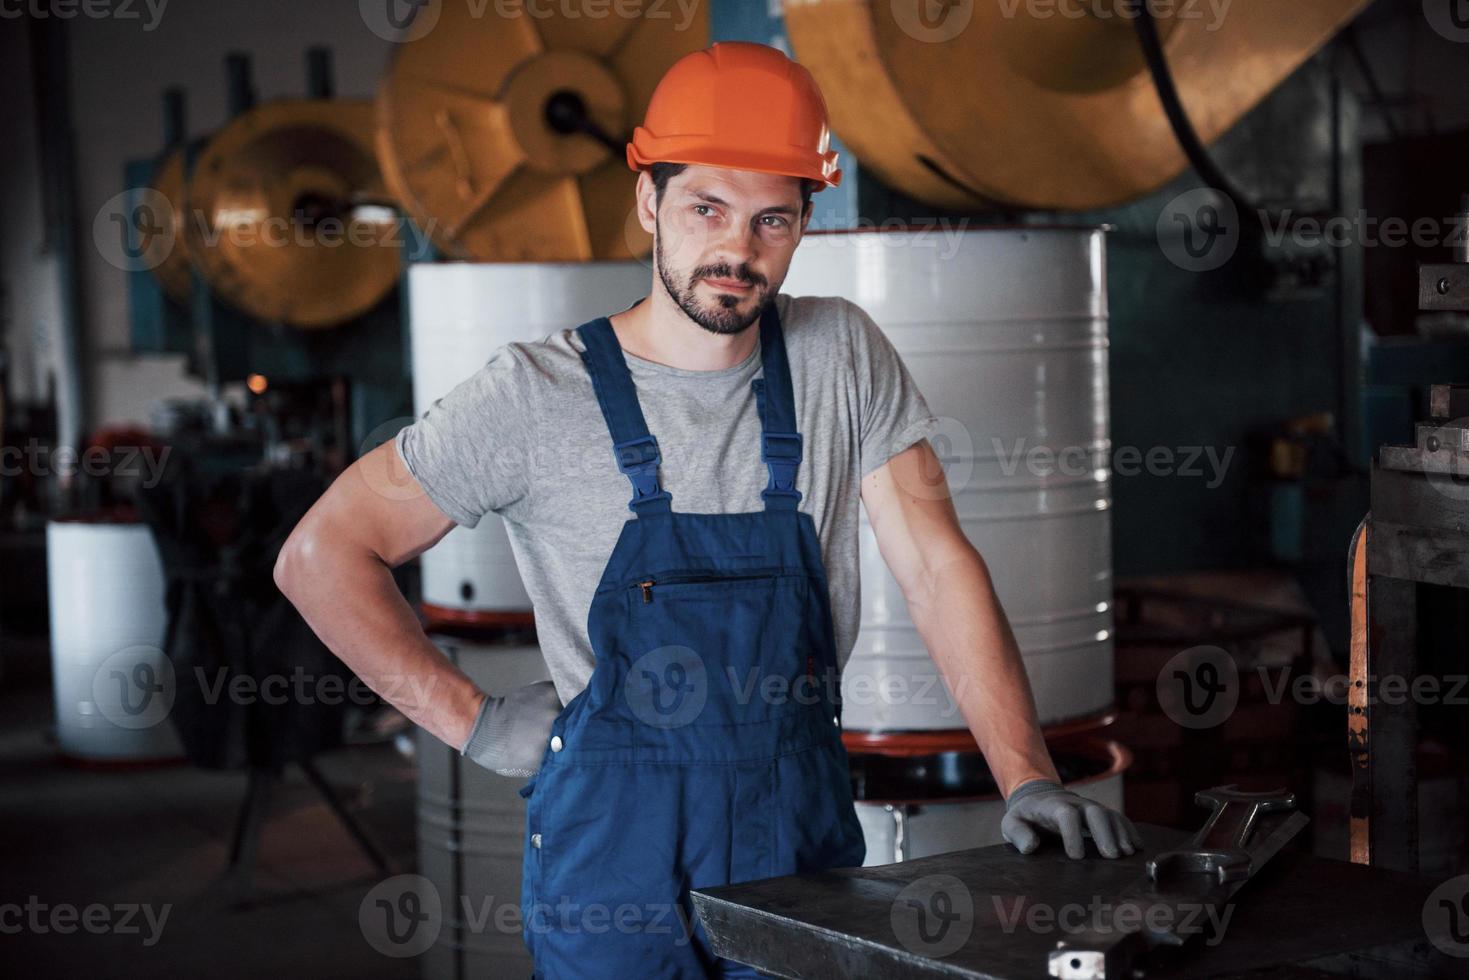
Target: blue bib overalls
<point x="706" y="748"/>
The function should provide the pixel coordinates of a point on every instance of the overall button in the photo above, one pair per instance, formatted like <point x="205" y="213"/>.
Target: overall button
<point x="535" y="840"/>
<point x="556" y="743"/>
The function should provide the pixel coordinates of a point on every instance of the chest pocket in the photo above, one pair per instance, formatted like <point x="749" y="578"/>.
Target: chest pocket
<point x="721" y="650"/>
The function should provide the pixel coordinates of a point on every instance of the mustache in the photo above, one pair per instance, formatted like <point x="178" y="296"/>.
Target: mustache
<point x="725" y="272"/>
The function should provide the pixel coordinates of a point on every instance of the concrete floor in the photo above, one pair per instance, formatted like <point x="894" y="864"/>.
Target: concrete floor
<point x="160" y="838"/>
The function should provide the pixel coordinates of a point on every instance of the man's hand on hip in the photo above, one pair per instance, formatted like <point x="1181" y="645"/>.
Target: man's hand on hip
<point x="510" y="732"/>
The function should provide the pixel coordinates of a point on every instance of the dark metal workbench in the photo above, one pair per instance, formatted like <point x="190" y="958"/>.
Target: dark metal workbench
<point x="849" y="923"/>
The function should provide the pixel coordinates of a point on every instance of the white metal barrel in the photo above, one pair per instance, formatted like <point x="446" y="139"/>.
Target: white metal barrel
<point x="1005" y="333"/>
<point x="471" y="826"/>
<point x="112" y="682"/>
<point x="459" y="313"/>
<point x="901" y="829"/>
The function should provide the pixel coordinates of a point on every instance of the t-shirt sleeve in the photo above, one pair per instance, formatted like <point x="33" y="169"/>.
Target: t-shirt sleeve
<point x="893" y="414"/>
<point x="470" y="448"/>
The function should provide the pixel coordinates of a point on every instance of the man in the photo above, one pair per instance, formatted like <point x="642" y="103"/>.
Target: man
<point x="696" y="642"/>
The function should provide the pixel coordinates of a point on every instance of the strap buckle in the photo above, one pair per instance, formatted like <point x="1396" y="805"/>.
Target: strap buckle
<point x="781" y="452"/>
<point x="638" y="460"/>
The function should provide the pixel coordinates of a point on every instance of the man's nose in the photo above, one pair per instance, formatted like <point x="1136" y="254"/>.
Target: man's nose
<point x="736" y="247"/>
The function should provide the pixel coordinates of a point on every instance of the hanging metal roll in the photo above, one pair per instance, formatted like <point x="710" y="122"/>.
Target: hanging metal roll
<point x="502" y="135"/>
<point x="287" y="216"/>
<point x="1045" y="105"/>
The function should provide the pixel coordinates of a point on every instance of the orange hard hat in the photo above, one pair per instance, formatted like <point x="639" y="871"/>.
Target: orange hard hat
<point x="739" y="105"/>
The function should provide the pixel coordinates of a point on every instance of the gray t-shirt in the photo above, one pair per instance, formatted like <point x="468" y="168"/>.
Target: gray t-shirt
<point x="524" y="438"/>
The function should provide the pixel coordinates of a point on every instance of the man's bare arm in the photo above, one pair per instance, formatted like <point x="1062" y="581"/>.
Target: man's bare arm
<point x="951" y="600"/>
<point x="336" y="569"/>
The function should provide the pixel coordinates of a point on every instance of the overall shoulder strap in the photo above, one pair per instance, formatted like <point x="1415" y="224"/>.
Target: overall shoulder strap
<point x="635" y="449"/>
<point x="780" y="443"/>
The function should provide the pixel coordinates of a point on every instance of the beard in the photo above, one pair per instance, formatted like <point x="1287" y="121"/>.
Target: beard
<point x="724" y="317"/>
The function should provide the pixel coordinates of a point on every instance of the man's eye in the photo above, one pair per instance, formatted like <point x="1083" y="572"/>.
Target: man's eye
<point x="701" y="213"/>
<point x="777" y="220"/>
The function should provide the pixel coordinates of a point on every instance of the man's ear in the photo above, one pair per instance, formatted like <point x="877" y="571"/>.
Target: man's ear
<point x="647" y="202"/>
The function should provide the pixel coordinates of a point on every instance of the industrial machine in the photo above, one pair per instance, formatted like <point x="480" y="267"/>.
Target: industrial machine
<point x="1414" y="540"/>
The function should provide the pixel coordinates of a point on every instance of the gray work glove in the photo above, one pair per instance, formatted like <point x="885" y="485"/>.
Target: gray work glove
<point x="509" y="734"/>
<point x="1047" y="805"/>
